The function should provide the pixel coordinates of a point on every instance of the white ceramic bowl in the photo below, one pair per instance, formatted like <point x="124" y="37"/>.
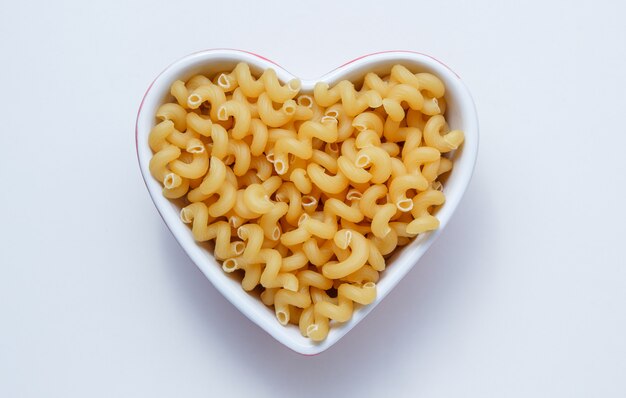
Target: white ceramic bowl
<point x="461" y="114"/>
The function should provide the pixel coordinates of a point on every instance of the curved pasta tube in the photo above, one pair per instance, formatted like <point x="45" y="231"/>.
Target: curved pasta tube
<point x="412" y="140"/>
<point x="296" y="236"/>
<point x="352" y="172"/>
<point x="346" y="295"/>
<point x="197" y="81"/>
<point x="239" y="96"/>
<point x="418" y="157"/>
<point x="242" y="116"/>
<point x="317" y="255"/>
<point x="177" y="191"/>
<point x="253" y="236"/>
<point x="344" y="122"/>
<point x="285" y="298"/>
<point x="269" y="220"/>
<point x="368" y="121"/>
<point x="367" y="138"/>
<point x="207" y="93"/>
<point x="212" y="181"/>
<point x="368" y="200"/>
<point x="301" y="180"/>
<point x="243" y="78"/>
<point x="380" y="222"/>
<point x="198" y="215"/>
<point x="241" y="151"/>
<point x="325" y="160"/>
<point x="363" y="275"/>
<point x="431" y="106"/>
<point x="313" y="325"/>
<point x="443" y="143"/>
<point x="424" y="221"/>
<point x="252" y="276"/>
<point x="289" y="193"/>
<point x="259" y="133"/>
<point x="391" y="148"/>
<point x="196" y="169"/>
<point x="302" y="299"/>
<point x="358" y="257"/>
<point x="294" y="262"/>
<point x="271" y="275"/>
<point x="186" y="140"/>
<point x="174" y="112"/>
<point x="384" y="246"/>
<point x="415" y="118"/>
<point x="219" y="136"/>
<point x="262" y="167"/>
<point x="377" y="160"/>
<point x="432" y="84"/>
<point x="340" y="209"/>
<point x="327" y="183"/>
<point x="159" y="162"/>
<point x="227" y="193"/>
<point x="158" y="135"/>
<point x="374" y="82"/>
<point x="241" y="209"/>
<point x="276" y="91"/>
<point x="399" y="93"/>
<point x="399" y="187"/>
<point x="302" y="145"/>
<point x="325" y="229"/>
<point x="352" y="101"/>
<point x="257" y="199"/>
<point x="180" y="92"/>
<point x="273" y="117"/>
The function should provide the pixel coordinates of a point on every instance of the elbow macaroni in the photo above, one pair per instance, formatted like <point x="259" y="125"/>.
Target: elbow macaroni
<point x="305" y="194"/>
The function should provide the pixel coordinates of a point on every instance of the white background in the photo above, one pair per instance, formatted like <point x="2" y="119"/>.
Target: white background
<point x="524" y="294"/>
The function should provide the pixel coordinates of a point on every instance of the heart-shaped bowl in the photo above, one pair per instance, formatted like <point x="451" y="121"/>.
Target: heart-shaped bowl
<point x="461" y="114"/>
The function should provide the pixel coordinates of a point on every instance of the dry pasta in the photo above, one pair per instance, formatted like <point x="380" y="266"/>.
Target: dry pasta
<point x="305" y="194"/>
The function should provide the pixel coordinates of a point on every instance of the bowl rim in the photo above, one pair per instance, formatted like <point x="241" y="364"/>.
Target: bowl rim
<point x="422" y="243"/>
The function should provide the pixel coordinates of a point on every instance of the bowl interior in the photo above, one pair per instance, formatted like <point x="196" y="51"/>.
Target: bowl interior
<point x="460" y="114"/>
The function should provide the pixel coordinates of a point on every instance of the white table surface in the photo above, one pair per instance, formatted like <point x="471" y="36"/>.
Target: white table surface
<point x="524" y="294"/>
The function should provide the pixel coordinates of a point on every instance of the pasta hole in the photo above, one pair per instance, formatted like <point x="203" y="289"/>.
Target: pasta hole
<point x="283" y="317"/>
<point x="302" y="219"/>
<point x="309" y="201"/>
<point x="362" y="161"/>
<point x="294" y="85"/>
<point x="311" y="329"/>
<point x="222" y="114"/>
<point x="280" y="167"/>
<point x="186" y="216"/>
<point x="289" y="108"/>
<point x="359" y="127"/>
<point x="223" y="82"/>
<point x="238" y="247"/>
<point x="275" y="233"/>
<point x="194" y="100"/>
<point x="196" y="148"/>
<point x="329" y="119"/>
<point x="305" y="100"/>
<point x="270" y="156"/>
<point x="369" y="285"/>
<point x="353" y="194"/>
<point x="171" y="181"/>
<point x="404" y="205"/>
<point x="333" y="147"/>
<point x="230" y="265"/>
<point x="332" y="113"/>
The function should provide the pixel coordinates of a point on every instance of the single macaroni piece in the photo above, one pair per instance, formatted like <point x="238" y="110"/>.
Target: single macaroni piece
<point x="305" y="195"/>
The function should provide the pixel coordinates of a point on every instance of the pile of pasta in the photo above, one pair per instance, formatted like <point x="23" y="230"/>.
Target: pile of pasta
<point x="305" y="194"/>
